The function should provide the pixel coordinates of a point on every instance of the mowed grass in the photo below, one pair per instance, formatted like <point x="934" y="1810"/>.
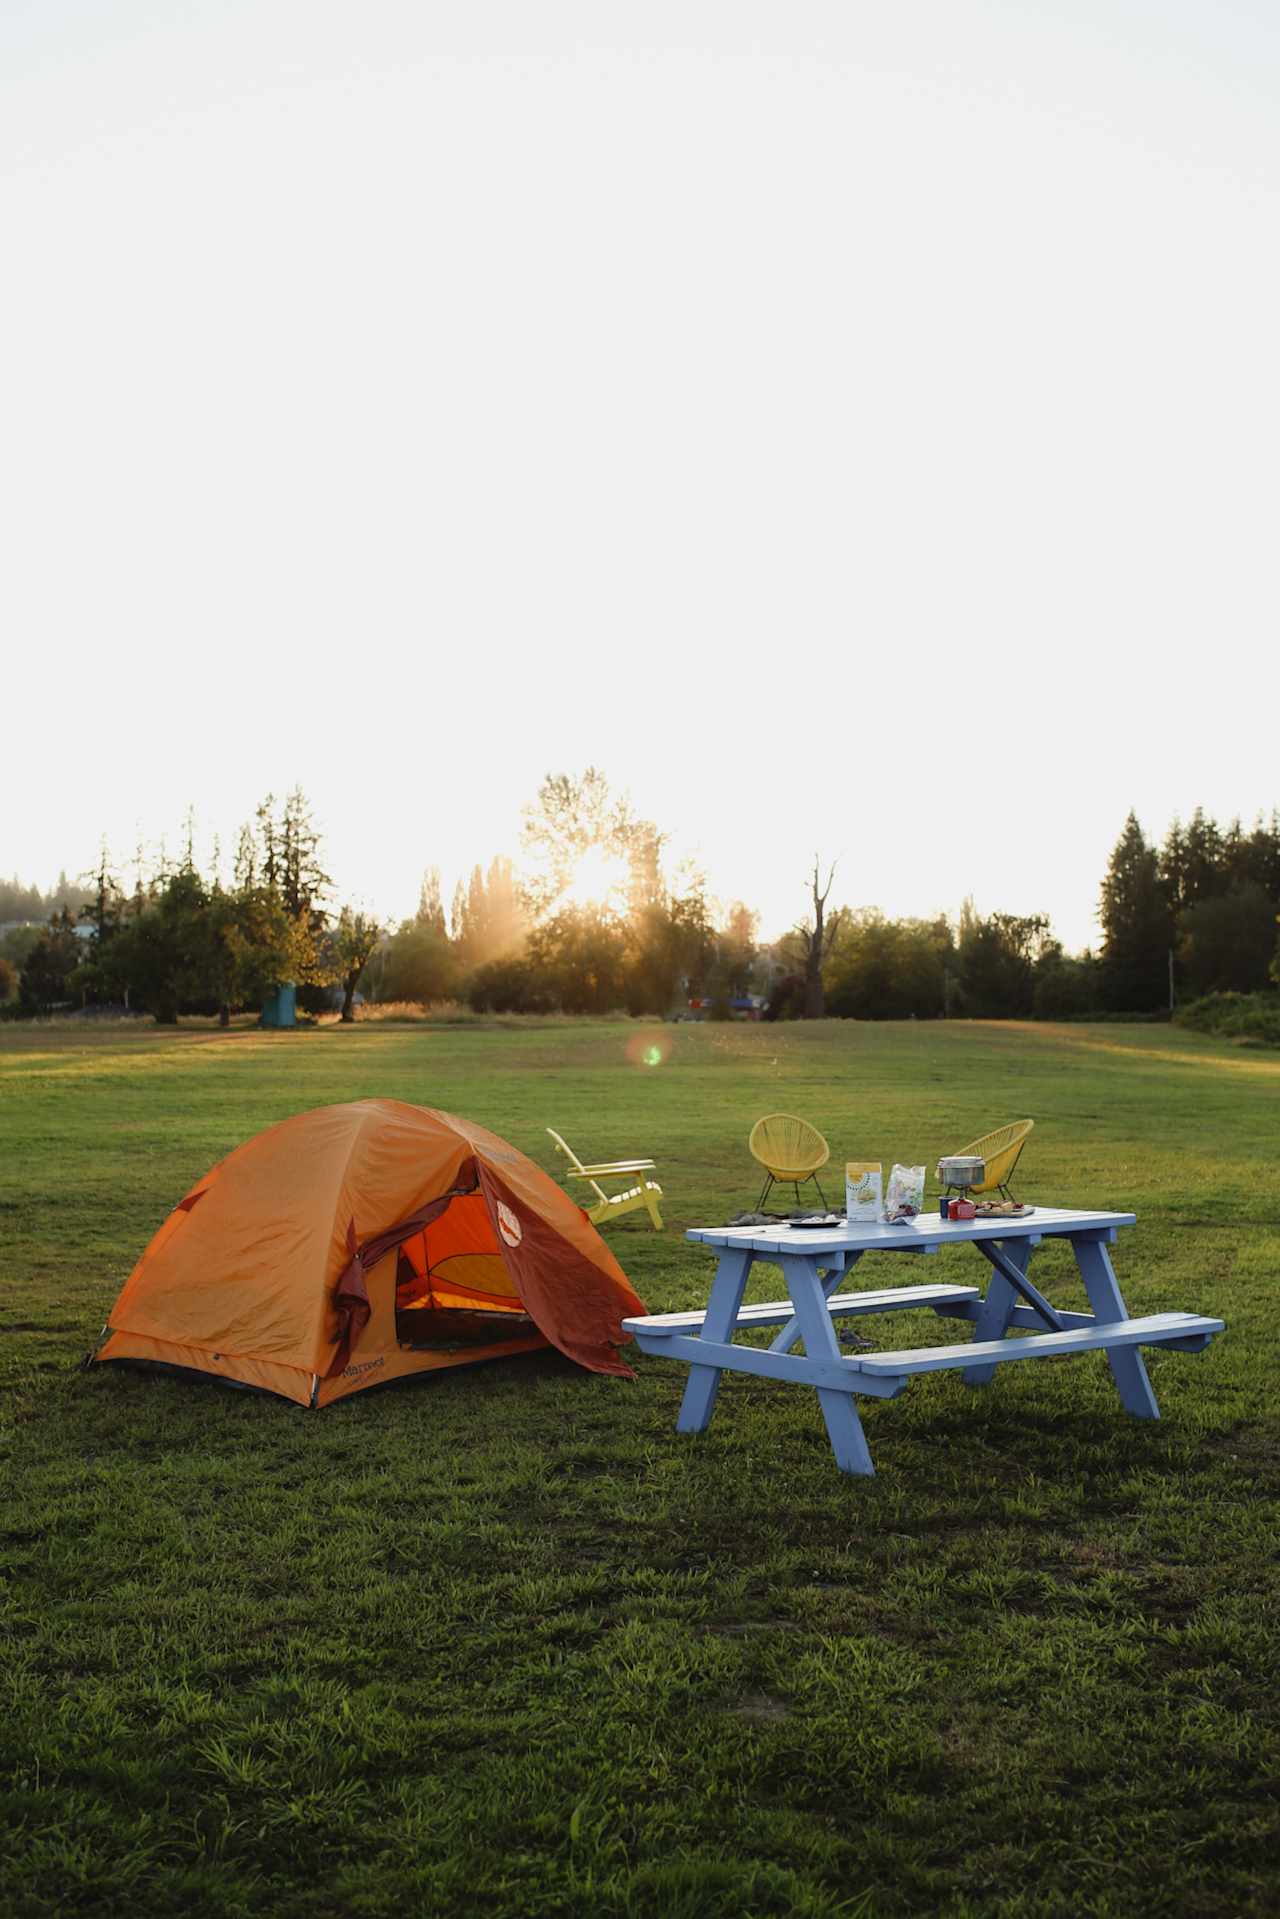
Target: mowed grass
<point x="500" y="1642"/>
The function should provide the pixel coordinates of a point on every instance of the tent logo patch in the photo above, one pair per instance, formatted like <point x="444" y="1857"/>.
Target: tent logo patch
<point x="509" y="1225"/>
<point x="368" y="1366"/>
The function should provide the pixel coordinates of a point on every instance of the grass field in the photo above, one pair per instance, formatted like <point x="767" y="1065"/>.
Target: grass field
<point x="499" y="1642"/>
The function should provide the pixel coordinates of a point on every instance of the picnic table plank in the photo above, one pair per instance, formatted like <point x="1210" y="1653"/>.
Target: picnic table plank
<point x="1155" y="1330"/>
<point x="777" y="1312"/>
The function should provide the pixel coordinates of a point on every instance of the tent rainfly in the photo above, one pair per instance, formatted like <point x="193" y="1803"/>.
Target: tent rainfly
<point x="361" y="1243"/>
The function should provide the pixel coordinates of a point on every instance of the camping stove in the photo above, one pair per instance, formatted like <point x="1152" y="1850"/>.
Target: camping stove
<point x="960" y="1174"/>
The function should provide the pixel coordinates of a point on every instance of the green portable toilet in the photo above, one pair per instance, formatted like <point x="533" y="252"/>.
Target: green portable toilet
<point x="281" y="1007"/>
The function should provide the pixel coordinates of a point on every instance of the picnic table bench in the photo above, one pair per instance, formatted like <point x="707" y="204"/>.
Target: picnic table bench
<point x="814" y="1262"/>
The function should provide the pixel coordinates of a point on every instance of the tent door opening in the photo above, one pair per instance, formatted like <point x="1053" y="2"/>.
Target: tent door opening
<point x="453" y="1289"/>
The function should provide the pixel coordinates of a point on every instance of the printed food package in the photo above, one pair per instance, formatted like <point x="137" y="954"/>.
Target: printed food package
<point x="863" y="1191"/>
<point x="905" y="1196"/>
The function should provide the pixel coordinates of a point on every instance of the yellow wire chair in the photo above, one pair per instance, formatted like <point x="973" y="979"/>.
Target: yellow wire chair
<point x="999" y="1151"/>
<point x="791" y="1151"/>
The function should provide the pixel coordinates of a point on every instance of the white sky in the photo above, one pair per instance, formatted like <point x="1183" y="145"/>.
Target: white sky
<point x="849" y="425"/>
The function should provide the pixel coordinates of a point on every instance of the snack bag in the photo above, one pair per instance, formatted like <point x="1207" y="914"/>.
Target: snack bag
<point x="905" y="1196"/>
<point x="863" y="1191"/>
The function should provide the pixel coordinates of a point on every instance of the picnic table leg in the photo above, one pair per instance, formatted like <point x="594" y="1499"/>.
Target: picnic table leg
<point x="1127" y="1369"/>
<point x="727" y="1288"/>
<point x="791" y="1331"/>
<point x="997" y="1308"/>
<point x="844" y="1428"/>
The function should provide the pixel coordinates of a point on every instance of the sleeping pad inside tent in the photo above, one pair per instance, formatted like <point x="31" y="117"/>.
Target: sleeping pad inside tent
<point x="361" y="1243"/>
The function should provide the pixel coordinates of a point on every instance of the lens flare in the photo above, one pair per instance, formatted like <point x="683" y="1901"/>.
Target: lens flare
<point x="646" y="1049"/>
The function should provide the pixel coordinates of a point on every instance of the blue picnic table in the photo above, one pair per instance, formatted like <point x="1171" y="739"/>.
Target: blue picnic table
<point x="814" y="1262"/>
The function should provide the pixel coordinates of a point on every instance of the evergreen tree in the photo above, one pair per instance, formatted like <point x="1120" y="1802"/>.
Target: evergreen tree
<point x="1262" y="864"/>
<point x="430" y="912"/>
<point x="1225" y="944"/>
<point x="303" y="881"/>
<point x="458" y="928"/>
<point x="506" y="920"/>
<point x="1173" y="866"/>
<point x="1234" y="856"/>
<point x="105" y="910"/>
<point x="246" y="866"/>
<point x="1206" y="877"/>
<point x="1136" y="926"/>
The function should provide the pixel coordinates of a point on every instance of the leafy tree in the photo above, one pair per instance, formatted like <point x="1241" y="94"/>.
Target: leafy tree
<point x="249" y="948"/>
<point x="8" y="981"/>
<point x="508" y="986"/>
<point x="161" y="957"/>
<point x="1136" y="926"/>
<point x="1225" y="944"/>
<point x="19" y="943"/>
<point x="891" y="969"/>
<point x="997" y="959"/>
<point x="736" y="948"/>
<point x="46" y="977"/>
<point x="572" y="817"/>
<point x="417" y="962"/>
<point x="354" y="940"/>
<point x="1065" y="985"/>
<point x="786" y="997"/>
<point x="580" y="954"/>
<point x="189" y="945"/>
<point x="670" y="951"/>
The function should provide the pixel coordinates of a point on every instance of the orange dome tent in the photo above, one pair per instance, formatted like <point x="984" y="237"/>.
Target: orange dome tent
<point x="360" y="1243"/>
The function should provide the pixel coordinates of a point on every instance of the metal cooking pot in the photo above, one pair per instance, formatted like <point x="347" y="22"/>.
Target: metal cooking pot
<point x="962" y="1170"/>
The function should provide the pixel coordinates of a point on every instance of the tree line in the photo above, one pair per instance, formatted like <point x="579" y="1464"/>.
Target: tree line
<point x="183" y="941"/>
<point x="1193" y="915"/>
<point x="591" y="921"/>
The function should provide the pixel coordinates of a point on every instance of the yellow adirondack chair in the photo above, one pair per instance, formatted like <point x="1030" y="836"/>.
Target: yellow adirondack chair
<point x="790" y="1150"/>
<point x="611" y="1206"/>
<point x="1000" y="1152"/>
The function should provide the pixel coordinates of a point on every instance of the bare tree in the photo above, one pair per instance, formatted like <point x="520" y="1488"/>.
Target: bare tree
<point x="816" y="940"/>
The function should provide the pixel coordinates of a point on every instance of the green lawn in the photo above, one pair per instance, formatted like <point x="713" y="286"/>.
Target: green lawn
<point x="500" y="1642"/>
